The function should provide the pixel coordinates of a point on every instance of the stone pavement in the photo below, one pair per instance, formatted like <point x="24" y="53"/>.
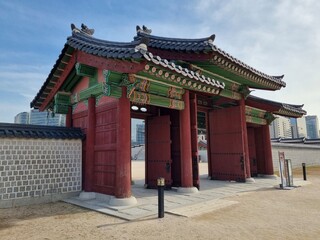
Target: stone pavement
<point x="210" y="197"/>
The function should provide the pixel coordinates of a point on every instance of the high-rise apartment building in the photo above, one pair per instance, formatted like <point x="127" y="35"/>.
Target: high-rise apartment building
<point x="280" y="127"/>
<point x="312" y="127"/>
<point x="22" y="118"/>
<point x="140" y="133"/>
<point x="40" y="118"/>
<point x="302" y="127"/>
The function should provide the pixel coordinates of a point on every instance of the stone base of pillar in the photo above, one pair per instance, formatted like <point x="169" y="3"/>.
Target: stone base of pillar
<point x="268" y="176"/>
<point x="184" y="190"/>
<point x="122" y="202"/>
<point x="87" y="195"/>
<point x="250" y="180"/>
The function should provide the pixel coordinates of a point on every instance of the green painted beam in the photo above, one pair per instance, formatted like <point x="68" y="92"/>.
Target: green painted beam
<point x="230" y="94"/>
<point x="92" y="91"/>
<point x="155" y="100"/>
<point x="256" y="120"/>
<point x="229" y="75"/>
<point x="113" y="78"/>
<point x="85" y="70"/>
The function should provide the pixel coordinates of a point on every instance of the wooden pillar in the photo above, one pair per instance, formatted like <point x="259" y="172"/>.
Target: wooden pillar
<point x="69" y="117"/>
<point x="185" y="144"/>
<point x="123" y="159"/>
<point x="267" y="150"/>
<point x="194" y="139"/>
<point x="245" y="138"/>
<point x="90" y="142"/>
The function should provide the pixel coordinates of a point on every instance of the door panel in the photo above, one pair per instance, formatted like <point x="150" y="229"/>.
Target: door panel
<point x="158" y="162"/>
<point x="226" y="144"/>
<point x="252" y="152"/>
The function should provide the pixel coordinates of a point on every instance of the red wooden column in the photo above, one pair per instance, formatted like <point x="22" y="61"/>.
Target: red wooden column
<point x="90" y="142"/>
<point x="69" y="117"/>
<point x="194" y="139"/>
<point x="185" y="144"/>
<point x="245" y="138"/>
<point x="267" y="150"/>
<point x="123" y="158"/>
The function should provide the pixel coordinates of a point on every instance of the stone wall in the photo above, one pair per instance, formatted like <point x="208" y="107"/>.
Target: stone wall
<point x="39" y="170"/>
<point x="298" y="153"/>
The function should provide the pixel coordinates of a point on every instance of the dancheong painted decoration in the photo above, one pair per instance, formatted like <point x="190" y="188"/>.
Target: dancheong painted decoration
<point x="181" y="84"/>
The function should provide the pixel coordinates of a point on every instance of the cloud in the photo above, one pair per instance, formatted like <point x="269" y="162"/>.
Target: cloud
<point x="275" y="37"/>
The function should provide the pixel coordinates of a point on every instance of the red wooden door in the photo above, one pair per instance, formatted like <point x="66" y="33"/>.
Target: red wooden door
<point x="226" y="158"/>
<point x="158" y="161"/>
<point x="252" y="152"/>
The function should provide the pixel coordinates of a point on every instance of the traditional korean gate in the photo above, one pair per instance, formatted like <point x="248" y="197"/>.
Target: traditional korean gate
<point x="158" y="161"/>
<point x="226" y="158"/>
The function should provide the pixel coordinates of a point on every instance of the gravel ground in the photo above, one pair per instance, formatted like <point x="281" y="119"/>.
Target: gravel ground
<point x="266" y="214"/>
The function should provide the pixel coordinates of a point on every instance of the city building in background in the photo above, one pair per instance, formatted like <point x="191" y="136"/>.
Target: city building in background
<point x="302" y="127"/>
<point x="281" y="127"/>
<point x="22" y="118"/>
<point x="294" y="128"/>
<point x="35" y="117"/>
<point x="140" y="133"/>
<point x="312" y="125"/>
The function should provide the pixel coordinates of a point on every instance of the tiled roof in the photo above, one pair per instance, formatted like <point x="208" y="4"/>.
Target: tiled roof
<point x="283" y="107"/>
<point x="132" y="50"/>
<point x="9" y="130"/>
<point x="296" y="140"/>
<point x="107" y="49"/>
<point x="117" y="50"/>
<point x="178" y="44"/>
<point x="201" y="45"/>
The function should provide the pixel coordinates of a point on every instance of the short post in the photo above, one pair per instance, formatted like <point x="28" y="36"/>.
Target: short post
<point x="160" y="184"/>
<point x="304" y="171"/>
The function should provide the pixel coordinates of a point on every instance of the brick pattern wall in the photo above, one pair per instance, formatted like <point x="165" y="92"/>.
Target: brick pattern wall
<point x="32" y="168"/>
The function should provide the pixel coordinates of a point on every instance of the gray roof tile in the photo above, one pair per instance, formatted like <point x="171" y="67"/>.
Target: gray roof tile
<point x="9" y="130"/>
<point x="200" y="45"/>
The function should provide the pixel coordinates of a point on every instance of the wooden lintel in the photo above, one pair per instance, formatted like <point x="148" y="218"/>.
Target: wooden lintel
<point x="109" y="64"/>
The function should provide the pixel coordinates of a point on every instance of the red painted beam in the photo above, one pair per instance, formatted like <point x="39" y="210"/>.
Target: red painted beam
<point x="185" y="143"/>
<point x="194" y="139"/>
<point x="262" y="106"/>
<point x="110" y="64"/>
<point x="59" y="82"/>
<point x="69" y="117"/>
<point x="245" y="138"/>
<point x="90" y="142"/>
<point x="123" y="158"/>
<point x="267" y="150"/>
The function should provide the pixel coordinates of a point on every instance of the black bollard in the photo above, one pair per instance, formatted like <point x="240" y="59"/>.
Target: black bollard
<point x="160" y="184"/>
<point x="304" y="171"/>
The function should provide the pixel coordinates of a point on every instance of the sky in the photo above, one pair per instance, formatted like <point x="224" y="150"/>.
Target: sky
<point x="275" y="37"/>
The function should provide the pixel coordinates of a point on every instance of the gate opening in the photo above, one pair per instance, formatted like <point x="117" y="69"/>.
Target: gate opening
<point x="138" y="151"/>
<point x="202" y="144"/>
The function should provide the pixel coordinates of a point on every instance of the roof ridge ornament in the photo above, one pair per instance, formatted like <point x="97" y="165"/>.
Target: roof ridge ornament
<point x="144" y="29"/>
<point x="84" y="29"/>
<point x="211" y="38"/>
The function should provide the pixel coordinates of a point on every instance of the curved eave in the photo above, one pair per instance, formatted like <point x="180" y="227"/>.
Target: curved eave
<point x="214" y="55"/>
<point x="287" y="110"/>
<point x="53" y="76"/>
<point x="183" y="72"/>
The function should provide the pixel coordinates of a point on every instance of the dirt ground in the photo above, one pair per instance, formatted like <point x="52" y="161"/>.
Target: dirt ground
<point x="265" y="214"/>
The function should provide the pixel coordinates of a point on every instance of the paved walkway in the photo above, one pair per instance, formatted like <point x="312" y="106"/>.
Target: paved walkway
<point x="210" y="197"/>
